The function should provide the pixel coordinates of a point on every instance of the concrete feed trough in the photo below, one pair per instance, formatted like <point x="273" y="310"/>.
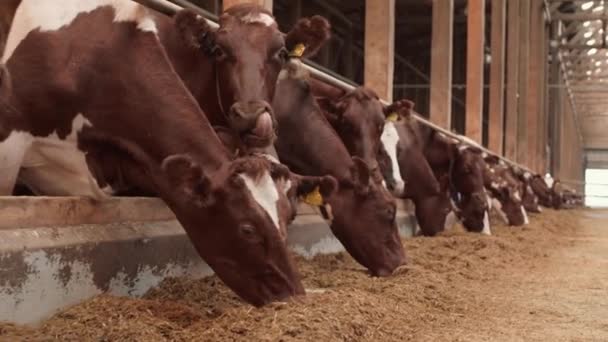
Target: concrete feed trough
<point x="55" y="252"/>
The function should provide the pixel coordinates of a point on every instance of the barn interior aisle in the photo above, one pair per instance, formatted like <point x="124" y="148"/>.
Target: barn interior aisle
<point x="520" y="284"/>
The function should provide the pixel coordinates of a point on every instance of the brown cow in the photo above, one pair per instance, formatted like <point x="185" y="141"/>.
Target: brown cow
<point x="462" y="165"/>
<point x="361" y="213"/>
<point x="359" y="118"/>
<point x="232" y="71"/>
<point x="407" y="160"/>
<point x="91" y="104"/>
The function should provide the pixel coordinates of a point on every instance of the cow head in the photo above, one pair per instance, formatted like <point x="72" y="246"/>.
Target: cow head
<point x="505" y="193"/>
<point x="363" y="218"/>
<point x="358" y="119"/>
<point x="467" y="179"/>
<point x="541" y="190"/>
<point x="530" y="200"/>
<point x="235" y="219"/>
<point x="248" y="52"/>
<point x="388" y="155"/>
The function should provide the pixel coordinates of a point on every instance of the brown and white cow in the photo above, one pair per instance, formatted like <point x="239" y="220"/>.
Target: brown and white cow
<point x="504" y="192"/>
<point x="542" y="191"/>
<point x="361" y="213"/>
<point x="91" y="105"/>
<point x="529" y="199"/>
<point x="232" y="71"/>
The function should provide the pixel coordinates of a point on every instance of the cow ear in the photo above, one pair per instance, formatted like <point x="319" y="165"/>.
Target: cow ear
<point x="402" y="109"/>
<point x="331" y="109"/>
<point x="187" y="177"/>
<point x="306" y="185"/>
<point x="195" y="31"/>
<point x="308" y="36"/>
<point x="361" y="175"/>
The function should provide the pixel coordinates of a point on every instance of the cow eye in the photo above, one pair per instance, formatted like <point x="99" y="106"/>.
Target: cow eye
<point x="219" y="53"/>
<point x="249" y="233"/>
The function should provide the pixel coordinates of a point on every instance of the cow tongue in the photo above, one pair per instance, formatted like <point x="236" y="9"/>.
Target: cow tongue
<point x="263" y="125"/>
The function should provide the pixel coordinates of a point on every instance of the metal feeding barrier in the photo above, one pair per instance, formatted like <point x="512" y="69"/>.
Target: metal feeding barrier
<point x="170" y="7"/>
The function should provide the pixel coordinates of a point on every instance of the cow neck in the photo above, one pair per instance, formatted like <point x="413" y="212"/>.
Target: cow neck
<point x="312" y="147"/>
<point x="197" y="70"/>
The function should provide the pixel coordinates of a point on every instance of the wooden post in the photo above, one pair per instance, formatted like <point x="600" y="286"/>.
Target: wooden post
<point x="535" y="80"/>
<point x="524" y="86"/>
<point x="380" y="46"/>
<point x="497" y="77"/>
<point x="441" y="63"/>
<point x="512" y="79"/>
<point x="267" y="4"/>
<point x="475" y="67"/>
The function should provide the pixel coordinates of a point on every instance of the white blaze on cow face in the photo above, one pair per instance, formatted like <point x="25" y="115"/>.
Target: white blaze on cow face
<point x="517" y="196"/>
<point x="265" y="193"/>
<point x="498" y="207"/>
<point x="523" y="212"/>
<point x="486" y="224"/>
<point x="390" y="139"/>
<point x="49" y="15"/>
<point x="450" y="220"/>
<point x="259" y="18"/>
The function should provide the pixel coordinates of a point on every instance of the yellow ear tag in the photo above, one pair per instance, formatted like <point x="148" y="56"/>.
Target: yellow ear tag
<point x="392" y="117"/>
<point x="298" y="51"/>
<point x="313" y="198"/>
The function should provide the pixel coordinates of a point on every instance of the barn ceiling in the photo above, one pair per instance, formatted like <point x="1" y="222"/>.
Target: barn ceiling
<point x="582" y="43"/>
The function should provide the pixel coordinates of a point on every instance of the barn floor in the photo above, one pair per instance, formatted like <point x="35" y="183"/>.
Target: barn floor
<point x="545" y="282"/>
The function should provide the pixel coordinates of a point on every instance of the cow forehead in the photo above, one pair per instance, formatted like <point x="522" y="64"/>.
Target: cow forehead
<point x="264" y="192"/>
<point x="258" y="18"/>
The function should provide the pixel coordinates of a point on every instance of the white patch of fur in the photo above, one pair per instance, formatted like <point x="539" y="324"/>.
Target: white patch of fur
<point x="12" y="151"/>
<point x="56" y="167"/>
<point x="390" y="139"/>
<point x="259" y="18"/>
<point x="489" y="199"/>
<point x="529" y="189"/>
<point x="494" y="185"/>
<point x="484" y="155"/>
<point x="517" y="196"/>
<point x="496" y="205"/>
<point x="50" y="15"/>
<point x="486" y="224"/>
<point x="549" y="181"/>
<point x="450" y="220"/>
<point x="265" y="194"/>
<point x="527" y="175"/>
<point x="523" y="212"/>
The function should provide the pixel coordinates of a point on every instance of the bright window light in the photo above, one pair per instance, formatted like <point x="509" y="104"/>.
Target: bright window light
<point x="586" y="23"/>
<point x="598" y="8"/>
<point x="587" y="5"/>
<point x="591" y="42"/>
<point x="588" y="34"/>
<point x="592" y="52"/>
<point x="596" y="187"/>
<point x="598" y="63"/>
<point x="588" y="72"/>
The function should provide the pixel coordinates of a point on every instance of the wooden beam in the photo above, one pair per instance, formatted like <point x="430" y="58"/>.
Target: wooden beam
<point x="533" y="98"/>
<point x="475" y="69"/>
<point x="267" y="4"/>
<point x="511" y="106"/>
<point x="524" y="69"/>
<point x="497" y="77"/>
<point x="380" y="46"/>
<point x="441" y="63"/>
